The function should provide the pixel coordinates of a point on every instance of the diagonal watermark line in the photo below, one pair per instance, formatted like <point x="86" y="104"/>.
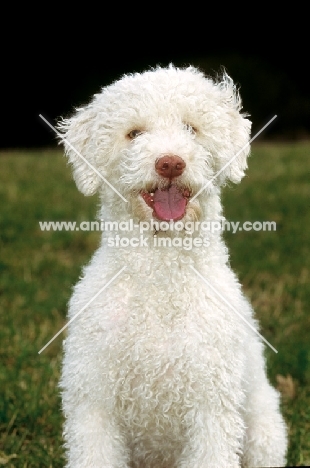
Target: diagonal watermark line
<point x="83" y="308"/>
<point x="232" y="308"/>
<point x="233" y="158"/>
<point x="82" y="157"/>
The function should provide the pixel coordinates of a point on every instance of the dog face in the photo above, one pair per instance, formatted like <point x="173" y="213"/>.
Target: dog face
<point x="159" y="137"/>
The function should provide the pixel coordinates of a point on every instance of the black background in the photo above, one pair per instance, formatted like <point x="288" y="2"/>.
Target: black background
<point x="50" y="66"/>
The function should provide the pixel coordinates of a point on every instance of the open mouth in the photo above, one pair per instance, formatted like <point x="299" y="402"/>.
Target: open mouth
<point x="167" y="204"/>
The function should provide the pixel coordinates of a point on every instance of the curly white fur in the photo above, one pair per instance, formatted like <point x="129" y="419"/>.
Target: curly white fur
<point x="158" y="371"/>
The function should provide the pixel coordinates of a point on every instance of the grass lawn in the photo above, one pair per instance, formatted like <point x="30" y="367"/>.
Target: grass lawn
<point x="38" y="269"/>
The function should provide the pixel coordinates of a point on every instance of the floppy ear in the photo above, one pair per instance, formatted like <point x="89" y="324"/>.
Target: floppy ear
<point x="232" y="160"/>
<point x="77" y="135"/>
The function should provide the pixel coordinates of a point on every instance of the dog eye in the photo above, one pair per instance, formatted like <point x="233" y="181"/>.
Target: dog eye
<point x="134" y="133"/>
<point x="190" y="128"/>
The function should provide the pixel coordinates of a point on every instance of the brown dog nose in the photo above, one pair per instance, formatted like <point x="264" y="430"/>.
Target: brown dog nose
<point x="170" y="166"/>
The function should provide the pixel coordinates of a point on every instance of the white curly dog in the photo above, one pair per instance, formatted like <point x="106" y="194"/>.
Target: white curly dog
<point x="162" y="365"/>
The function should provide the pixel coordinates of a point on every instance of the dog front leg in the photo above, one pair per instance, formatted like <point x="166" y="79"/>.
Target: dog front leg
<point x="215" y="441"/>
<point x="93" y="441"/>
<point x="266" y="438"/>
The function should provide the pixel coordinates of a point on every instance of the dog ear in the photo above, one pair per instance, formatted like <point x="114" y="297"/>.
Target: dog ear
<point x="232" y="160"/>
<point x="76" y="135"/>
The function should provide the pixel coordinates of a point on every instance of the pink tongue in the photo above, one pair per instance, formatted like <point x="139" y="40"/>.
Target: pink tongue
<point x="169" y="204"/>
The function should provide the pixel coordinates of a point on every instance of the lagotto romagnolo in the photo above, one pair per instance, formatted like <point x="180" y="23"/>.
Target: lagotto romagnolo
<point x="159" y="371"/>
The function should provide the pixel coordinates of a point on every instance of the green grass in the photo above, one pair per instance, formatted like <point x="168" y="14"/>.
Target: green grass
<point x="38" y="269"/>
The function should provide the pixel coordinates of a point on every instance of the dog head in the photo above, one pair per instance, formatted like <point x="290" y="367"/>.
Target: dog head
<point x="160" y="138"/>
